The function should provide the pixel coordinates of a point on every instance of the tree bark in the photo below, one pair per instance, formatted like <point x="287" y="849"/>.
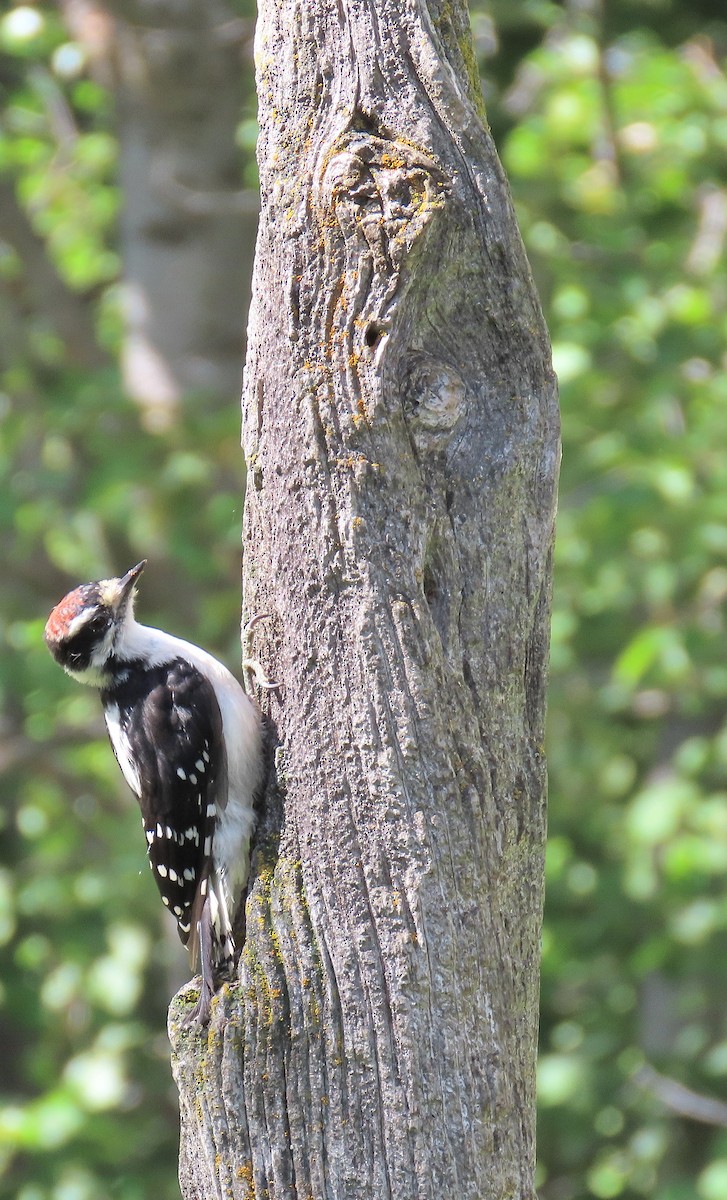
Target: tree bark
<point x="401" y="436"/>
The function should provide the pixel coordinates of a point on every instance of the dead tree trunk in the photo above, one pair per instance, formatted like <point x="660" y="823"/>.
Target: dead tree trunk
<point x="401" y="438"/>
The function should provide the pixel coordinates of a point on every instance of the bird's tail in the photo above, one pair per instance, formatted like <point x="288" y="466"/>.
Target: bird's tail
<point x="211" y="944"/>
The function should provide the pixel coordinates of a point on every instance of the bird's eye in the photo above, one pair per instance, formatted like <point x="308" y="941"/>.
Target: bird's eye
<point x="99" y="622"/>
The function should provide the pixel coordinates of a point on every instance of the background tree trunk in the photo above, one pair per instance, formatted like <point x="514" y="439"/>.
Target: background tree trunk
<point x="401" y="439"/>
<point x="175" y="70"/>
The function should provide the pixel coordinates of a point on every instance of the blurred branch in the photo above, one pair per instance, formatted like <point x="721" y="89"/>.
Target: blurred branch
<point x="60" y="115"/>
<point x="18" y="751"/>
<point x="195" y="202"/>
<point x="608" y="149"/>
<point x="682" y="1100"/>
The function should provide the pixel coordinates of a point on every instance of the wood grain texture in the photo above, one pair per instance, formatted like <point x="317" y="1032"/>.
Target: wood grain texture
<point x="400" y="430"/>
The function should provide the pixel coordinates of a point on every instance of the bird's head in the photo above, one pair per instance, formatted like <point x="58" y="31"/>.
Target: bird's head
<point x="82" y="631"/>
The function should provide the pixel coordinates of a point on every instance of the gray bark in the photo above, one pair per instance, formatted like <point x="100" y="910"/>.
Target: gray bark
<point x="400" y="430"/>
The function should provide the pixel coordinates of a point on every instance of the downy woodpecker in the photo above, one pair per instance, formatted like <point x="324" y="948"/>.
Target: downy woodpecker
<point x="188" y="741"/>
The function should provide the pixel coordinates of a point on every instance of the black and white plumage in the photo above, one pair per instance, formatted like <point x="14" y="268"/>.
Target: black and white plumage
<point x="188" y="741"/>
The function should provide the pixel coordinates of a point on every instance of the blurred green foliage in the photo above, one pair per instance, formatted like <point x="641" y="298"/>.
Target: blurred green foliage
<point x="87" y="964"/>
<point x="613" y="130"/>
<point x="612" y="123"/>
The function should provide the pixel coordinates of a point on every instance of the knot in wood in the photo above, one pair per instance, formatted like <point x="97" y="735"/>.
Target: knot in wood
<point x="387" y="190"/>
<point x="347" y="178"/>
<point x="434" y="397"/>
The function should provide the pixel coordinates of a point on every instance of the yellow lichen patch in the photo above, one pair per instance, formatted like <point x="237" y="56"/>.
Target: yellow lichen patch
<point x="393" y="161"/>
<point x="245" y="1175"/>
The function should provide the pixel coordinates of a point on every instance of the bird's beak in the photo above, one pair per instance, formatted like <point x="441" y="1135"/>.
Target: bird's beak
<point x="127" y="581"/>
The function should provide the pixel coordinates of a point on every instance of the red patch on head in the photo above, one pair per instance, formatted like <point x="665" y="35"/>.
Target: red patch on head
<point x="57" y="624"/>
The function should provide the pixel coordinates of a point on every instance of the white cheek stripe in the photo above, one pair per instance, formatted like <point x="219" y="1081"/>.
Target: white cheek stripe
<point x="102" y="651"/>
<point x="80" y="620"/>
